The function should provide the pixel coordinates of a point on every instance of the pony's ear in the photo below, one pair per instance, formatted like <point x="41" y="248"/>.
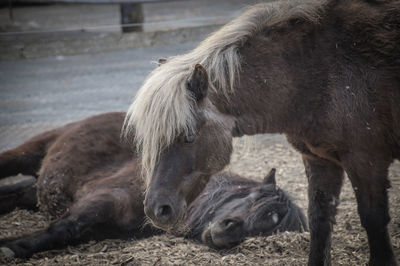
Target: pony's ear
<point x="161" y="60"/>
<point x="270" y="178"/>
<point x="198" y="82"/>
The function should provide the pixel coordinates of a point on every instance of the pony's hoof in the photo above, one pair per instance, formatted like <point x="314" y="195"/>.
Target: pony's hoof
<point x="8" y="253"/>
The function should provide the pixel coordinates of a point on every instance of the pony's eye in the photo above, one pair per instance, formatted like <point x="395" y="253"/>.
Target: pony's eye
<point x="274" y="216"/>
<point x="189" y="138"/>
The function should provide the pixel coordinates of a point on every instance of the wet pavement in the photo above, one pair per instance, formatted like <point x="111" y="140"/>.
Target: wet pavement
<point x="106" y="17"/>
<point x="51" y="30"/>
<point x="40" y="94"/>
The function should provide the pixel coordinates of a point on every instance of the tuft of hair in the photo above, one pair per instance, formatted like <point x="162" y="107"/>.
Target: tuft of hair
<point x="163" y="108"/>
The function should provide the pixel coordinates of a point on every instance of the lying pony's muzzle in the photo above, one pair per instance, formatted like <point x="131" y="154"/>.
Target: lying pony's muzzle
<point x="224" y="233"/>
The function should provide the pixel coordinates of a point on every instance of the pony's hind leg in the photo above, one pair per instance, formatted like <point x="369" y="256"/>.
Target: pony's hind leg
<point x="26" y="158"/>
<point x="369" y="178"/>
<point x="21" y="195"/>
<point x="87" y="215"/>
<point x="325" y="181"/>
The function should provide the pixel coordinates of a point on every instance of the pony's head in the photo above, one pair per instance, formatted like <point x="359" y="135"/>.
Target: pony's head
<point x="182" y="136"/>
<point x="183" y="140"/>
<point x="230" y="211"/>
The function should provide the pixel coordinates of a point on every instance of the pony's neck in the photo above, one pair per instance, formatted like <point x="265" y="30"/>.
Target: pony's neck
<point x="268" y="93"/>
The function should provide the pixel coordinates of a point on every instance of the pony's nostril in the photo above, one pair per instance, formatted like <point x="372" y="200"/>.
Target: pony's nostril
<point x="230" y="223"/>
<point x="164" y="211"/>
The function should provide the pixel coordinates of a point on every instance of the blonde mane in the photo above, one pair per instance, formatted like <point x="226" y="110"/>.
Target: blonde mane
<point x="163" y="108"/>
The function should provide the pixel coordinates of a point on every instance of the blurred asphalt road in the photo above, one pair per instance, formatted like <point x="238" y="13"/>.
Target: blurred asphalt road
<point x="174" y="14"/>
<point x="40" y="94"/>
<point x="51" y="30"/>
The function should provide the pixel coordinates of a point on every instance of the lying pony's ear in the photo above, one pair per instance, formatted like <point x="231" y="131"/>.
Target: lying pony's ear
<point x="161" y="60"/>
<point x="270" y="178"/>
<point x="198" y="83"/>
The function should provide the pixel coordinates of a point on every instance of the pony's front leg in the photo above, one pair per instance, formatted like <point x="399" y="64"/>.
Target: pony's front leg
<point x="325" y="181"/>
<point x="84" y="215"/>
<point x="369" y="177"/>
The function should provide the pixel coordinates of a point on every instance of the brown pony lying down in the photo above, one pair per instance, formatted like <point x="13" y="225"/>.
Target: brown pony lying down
<point x="89" y="182"/>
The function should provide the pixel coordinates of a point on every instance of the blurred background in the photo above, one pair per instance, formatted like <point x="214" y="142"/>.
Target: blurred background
<point x="63" y="60"/>
<point x="39" y="25"/>
<point x="106" y="15"/>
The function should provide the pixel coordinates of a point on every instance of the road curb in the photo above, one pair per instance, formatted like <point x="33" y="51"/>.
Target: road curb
<point x="74" y="43"/>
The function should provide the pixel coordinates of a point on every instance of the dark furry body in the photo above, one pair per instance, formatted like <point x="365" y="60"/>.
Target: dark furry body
<point x="89" y="183"/>
<point x="325" y="74"/>
<point x="333" y="88"/>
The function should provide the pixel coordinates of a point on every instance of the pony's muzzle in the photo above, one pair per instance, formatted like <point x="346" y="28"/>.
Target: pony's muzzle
<point x="224" y="233"/>
<point x="163" y="213"/>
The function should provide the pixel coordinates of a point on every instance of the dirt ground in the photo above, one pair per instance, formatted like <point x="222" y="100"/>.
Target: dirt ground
<point x="253" y="157"/>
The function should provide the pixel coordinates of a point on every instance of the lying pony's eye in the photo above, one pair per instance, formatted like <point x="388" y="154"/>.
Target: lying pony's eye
<point x="274" y="216"/>
<point x="189" y="138"/>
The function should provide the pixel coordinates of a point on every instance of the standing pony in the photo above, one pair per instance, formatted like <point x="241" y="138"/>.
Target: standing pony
<point x="324" y="73"/>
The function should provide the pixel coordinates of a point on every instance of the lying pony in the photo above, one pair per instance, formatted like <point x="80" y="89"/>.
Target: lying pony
<point x="89" y="182"/>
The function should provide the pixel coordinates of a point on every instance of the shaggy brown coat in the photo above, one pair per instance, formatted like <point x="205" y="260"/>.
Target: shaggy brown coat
<point x="90" y="183"/>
